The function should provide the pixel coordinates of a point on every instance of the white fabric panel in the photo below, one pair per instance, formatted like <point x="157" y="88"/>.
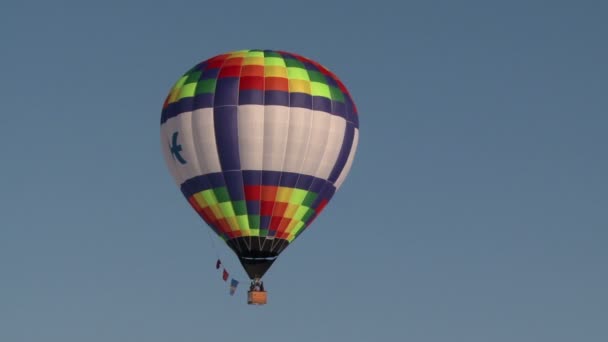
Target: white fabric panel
<point x="251" y="136"/>
<point x="183" y="125"/>
<point x="300" y="124"/>
<point x="204" y="141"/>
<point x="165" y="141"/>
<point x="349" y="161"/>
<point x="335" y="139"/>
<point x="276" y="124"/>
<point x="316" y="144"/>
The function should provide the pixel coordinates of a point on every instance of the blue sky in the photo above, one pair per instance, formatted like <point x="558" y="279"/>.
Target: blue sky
<point x="475" y="209"/>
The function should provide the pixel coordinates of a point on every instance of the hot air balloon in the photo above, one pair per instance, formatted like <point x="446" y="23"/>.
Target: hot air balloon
<point x="258" y="142"/>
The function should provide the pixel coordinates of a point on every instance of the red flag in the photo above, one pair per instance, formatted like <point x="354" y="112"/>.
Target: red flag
<point x="225" y="275"/>
<point x="217" y="264"/>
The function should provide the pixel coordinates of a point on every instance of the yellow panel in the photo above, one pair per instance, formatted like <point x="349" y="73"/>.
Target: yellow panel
<point x="253" y="61"/>
<point x="198" y="197"/>
<point x="275" y="71"/>
<point x="299" y="86"/>
<point x="216" y="211"/>
<point x="283" y="194"/>
<point x="291" y="210"/>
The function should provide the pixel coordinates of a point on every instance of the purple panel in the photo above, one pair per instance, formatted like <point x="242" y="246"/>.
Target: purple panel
<point x="271" y="178"/>
<point x="317" y="185"/>
<point x="173" y="110"/>
<point x="300" y="100"/>
<point x="289" y="179"/>
<point x="203" y="101"/>
<point x="339" y="109"/>
<point x="304" y="182"/>
<point x="216" y="179"/>
<point x="347" y="144"/>
<point x="185" y="104"/>
<point x="253" y="207"/>
<point x="327" y="193"/>
<point x="310" y="66"/>
<point x="264" y="222"/>
<point x="351" y="112"/>
<point x="251" y="177"/>
<point x="321" y="103"/>
<point x="194" y="185"/>
<point x="227" y="137"/>
<point x="251" y="97"/>
<point x="331" y="81"/>
<point x="276" y="97"/>
<point x="227" y="92"/>
<point x="234" y="183"/>
<point x="210" y="73"/>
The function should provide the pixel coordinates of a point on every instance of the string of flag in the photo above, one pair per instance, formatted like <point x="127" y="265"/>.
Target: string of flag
<point x="225" y="275"/>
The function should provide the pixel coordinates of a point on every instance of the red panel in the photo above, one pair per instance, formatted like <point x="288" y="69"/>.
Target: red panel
<point x="251" y="82"/>
<point x="252" y="70"/>
<point x="266" y="208"/>
<point x="269" y="193"/>
<point x="214" y="64"/>
<point x="275" y="221"/>
<point x="208" y="214"/>
<point x="253" y="192"/>
<point x="236" y="61"/>
<point x="194" y="204"/>
<point x="224" y="226"/>
<point x="320" y="207"/>
<point x="277" y="83"/>
<point x="283" y="225"/>
<point x="279" y="209"/>
<point x="230" y="71"/>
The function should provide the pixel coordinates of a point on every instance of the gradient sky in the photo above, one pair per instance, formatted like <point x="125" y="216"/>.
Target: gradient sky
<point x="475" y="211"/>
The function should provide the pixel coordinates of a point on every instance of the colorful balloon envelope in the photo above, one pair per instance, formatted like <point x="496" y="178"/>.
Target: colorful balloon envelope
<point x="258" y="142"/>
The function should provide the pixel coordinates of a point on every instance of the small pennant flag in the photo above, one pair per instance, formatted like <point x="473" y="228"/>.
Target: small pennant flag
<point x="233" y="284"/>
<point x="225" y="275"/>
<point x="218" y="264"/>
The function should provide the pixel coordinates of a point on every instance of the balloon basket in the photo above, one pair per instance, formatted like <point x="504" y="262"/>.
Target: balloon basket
<point x="257" y="297"/>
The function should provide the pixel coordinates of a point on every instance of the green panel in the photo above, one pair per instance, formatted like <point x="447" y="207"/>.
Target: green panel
<point x="254" y="222"/>
<point x="301" y="212"/>
<point x="193" y="77"/>
<point x="272" y="54"/>
<point x="240" y="207"/>
<point x="263" y="232"/>
<point x="298" y="196"/>
<point x="222" y="194"/>
<point x="310" y="197"/>
<point x="206" y="86"/>
<point x="187" y="90"/>
<point x="297" y="73"/>
<point x="290" y="62"/>
<point x="277" y="61"/>
<point x="243" y="221"/>
<point x="320" y="89"/>
<point x="180" y="82"/>
<point x="308" y="215"/>
<point x="336" y="94"/>
<point x="209" y="197"/>
<point x="316" y="76"/>
<point x="255" y="53"/>
<point x="227" y="209"/>
<point x="298" y="229"/>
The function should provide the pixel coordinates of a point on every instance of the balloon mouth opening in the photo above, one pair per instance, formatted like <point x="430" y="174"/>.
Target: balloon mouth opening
<point x="256" y="253"/>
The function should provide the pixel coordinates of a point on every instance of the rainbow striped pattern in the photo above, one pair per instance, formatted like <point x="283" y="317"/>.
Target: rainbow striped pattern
<point x="260" y="77"/>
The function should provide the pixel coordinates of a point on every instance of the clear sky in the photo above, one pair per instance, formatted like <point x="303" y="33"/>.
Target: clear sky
<point x="475" y="211"/>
